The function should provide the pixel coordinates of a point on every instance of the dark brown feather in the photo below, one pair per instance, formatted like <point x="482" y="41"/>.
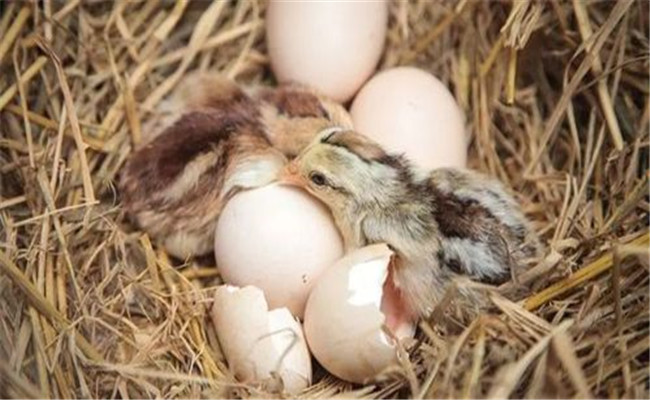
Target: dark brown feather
<point x="295" y="103"/>
<point x="155" y="166"/>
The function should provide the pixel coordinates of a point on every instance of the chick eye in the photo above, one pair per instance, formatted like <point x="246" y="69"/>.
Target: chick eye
<point x="317" y="178"/>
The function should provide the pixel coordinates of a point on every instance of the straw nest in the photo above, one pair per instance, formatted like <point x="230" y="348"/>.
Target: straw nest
<point x="556" y="94"/>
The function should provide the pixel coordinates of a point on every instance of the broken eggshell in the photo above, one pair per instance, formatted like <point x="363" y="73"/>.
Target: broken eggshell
<point x="261" y="345"/>
<point x="354" y="317"/>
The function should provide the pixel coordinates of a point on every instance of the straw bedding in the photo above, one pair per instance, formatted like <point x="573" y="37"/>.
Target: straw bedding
<point x="556" y="95"/>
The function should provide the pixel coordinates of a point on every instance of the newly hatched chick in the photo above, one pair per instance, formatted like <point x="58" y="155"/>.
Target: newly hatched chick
<point x="209" y="140"/>
<point x="443" y="224"/>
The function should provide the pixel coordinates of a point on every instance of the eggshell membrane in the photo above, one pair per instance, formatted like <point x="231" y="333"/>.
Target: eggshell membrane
<point x="344" y="322"/>
<point x="277" y="238"/>
<point x="260" y="344"/>
<point x="331" y="46"/>
<point x="409" y="111"/>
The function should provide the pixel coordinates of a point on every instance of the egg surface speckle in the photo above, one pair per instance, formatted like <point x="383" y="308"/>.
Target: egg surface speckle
<point x="409" y="111"/>
<point x="333" y="46"/>
<point x="279" y="239"/>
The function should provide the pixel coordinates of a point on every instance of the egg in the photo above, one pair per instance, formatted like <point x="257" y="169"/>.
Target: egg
<point x="260" y="345"/>
<point x="409" y="111"/>
<point x="355" y="318"/>
<point x="279" y="239"/>
<point x="333" y="46"/>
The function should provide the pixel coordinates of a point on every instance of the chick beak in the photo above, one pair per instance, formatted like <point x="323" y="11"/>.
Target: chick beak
<point x="289" y="175"/>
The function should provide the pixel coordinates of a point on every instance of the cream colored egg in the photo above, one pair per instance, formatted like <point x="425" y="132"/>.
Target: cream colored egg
<point x="409" y="111"/>
<point x="261" y="346"/>
<point x="279" y="239"/>
<point x="353" y="319"/>
<point x="333" y="46"/>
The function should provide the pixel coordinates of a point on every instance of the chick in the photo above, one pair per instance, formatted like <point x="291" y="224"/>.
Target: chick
<point x="209" y="140"/>
<point x="441" y="224"/>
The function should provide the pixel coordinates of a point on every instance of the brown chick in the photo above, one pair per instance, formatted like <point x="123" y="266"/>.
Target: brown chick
<point x="442" y="224"/>
<point x="208" y="141"/>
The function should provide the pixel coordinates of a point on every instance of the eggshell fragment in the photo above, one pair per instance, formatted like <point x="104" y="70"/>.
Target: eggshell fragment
<point x="333" y="46"/>
<point x="345" y="322"/>
<point x="409" y="111"/>
<point x="277" y="238"/>
<point x="260" y="345"/>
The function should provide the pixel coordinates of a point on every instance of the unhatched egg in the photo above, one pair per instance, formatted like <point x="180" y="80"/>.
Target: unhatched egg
<point x="408" y="110"/>
<point x="333" y="46"/>
<point x="279" y="239"/>
<point x="354" y="316"/>
<point x="261" y="345"/>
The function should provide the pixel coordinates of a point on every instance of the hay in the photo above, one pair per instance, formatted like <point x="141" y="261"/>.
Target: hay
<point x="556" y="94"/>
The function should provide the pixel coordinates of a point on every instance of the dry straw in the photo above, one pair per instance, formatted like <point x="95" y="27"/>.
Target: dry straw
<point x="556" y="95"/>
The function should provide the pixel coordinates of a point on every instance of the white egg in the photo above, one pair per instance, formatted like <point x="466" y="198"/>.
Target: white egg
<point x="333" y="46"/>
<point x="354" y="316"/>
<point x="279" y="239"/>
<point x="409" y="111"/>
<point x="261" y="345"/>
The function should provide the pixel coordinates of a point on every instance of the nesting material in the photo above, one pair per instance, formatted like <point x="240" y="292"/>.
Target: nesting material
<point x="556" y="100"/>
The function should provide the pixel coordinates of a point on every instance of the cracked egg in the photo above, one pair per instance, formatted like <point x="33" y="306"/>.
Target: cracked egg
<point x="355" y="318"/>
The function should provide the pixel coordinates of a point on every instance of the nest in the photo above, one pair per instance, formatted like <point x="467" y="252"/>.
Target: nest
<point x="556" y="94"/>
